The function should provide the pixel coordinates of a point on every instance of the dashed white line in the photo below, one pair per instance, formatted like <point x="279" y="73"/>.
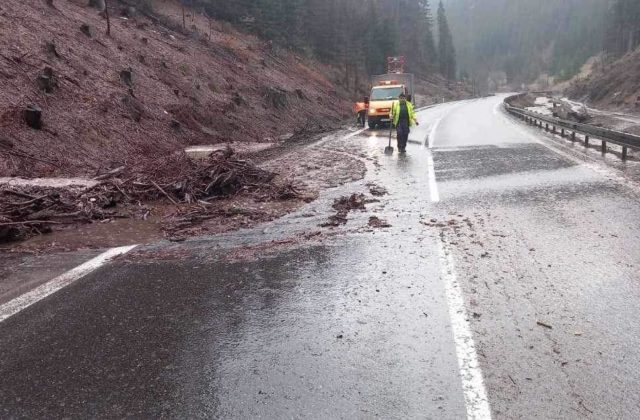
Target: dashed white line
<point x="475" y="394"/>
<point x="21" y="302"/>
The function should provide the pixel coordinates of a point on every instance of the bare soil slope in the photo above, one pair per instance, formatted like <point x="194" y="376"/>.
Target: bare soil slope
<point x="147" y="90"/>
<point x="611" y="86"/>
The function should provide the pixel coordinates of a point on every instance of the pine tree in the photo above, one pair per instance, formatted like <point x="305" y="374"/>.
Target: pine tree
<point x="428" y="47"/>
<point x="446" y="50"/>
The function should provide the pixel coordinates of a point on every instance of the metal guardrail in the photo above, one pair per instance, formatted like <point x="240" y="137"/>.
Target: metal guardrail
<point x="560" y="126"/>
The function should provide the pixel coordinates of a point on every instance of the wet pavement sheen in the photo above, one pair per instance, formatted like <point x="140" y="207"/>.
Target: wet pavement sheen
<point x="357" y="324"/>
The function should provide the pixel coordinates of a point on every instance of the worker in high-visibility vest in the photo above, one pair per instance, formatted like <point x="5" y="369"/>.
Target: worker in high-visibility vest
<point x="361" y="109"/>
<point x="403" y="117"/>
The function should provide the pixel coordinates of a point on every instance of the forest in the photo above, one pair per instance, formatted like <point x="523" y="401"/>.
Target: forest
<point x="623" y="27"/>
<point x="514" y="41"/>
<point x="526" y="39"/>
<point x="356" y="34"/>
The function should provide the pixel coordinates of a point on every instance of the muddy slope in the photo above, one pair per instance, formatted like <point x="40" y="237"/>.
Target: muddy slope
<point x="615" y="85"/>
<point x="149" y="89"/>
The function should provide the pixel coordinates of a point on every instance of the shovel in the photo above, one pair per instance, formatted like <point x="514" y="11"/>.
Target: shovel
<point x="389" y="149"/>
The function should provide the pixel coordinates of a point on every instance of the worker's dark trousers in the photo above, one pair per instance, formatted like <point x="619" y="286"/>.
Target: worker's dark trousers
<point x="403" y="134"/>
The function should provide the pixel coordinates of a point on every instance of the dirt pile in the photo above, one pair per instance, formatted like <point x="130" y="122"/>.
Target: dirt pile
<point x="148" y="90"/>
<point x="611" y="86"/>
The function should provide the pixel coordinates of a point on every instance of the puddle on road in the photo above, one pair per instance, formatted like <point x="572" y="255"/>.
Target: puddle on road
<point x="118" y="232"/>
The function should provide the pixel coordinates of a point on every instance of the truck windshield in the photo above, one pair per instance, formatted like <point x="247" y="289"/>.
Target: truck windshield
<point x="385" y="94"/>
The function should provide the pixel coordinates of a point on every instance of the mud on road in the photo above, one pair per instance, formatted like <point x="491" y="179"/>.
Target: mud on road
<point x="303" y="166"/>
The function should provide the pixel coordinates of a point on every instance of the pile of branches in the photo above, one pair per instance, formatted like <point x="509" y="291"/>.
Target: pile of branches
<point x="25" y="211"/>
<point x="121" y="192"/>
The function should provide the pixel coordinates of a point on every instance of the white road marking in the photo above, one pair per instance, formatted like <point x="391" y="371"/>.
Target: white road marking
<point x="21" y="302"/>
<point x="496" y="109"/>
<point x="362" y="130"/>
<point x="475" y="394"/>
<point x="432" y="134"/>
<point x="431" y="173"/>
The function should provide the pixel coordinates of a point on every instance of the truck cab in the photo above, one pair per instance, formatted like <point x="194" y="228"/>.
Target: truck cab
<point x="381" y="99"/>
<point x="385" y="90"/>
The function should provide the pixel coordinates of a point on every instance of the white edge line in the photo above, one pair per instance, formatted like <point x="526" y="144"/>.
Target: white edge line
<point x="24" y="301"/>
<point x="433" y="184"/>
<point x="496" y="109"/>
<point x="362" y="130"/>
<point x="475" y="394"/>
<point x="432" y="133"/>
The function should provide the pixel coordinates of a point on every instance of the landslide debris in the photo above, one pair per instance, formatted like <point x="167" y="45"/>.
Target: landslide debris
<point x="611" y="84"/>
<point x="192" y="185"/>
<point x="343" y="206"/>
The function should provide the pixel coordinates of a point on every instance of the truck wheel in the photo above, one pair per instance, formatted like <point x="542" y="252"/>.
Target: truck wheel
<point x="372" y="124"/>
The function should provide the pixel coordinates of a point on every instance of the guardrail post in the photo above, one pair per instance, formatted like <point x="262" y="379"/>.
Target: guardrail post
<point x="586" y="141"/>
<point x="573" y="136"/>
<point x="562" y="132"/>
<point x="624" y="152"/>
<point x="603" y="148"/>
<point x="547" y="127"/>
<point x="554" y="129"/>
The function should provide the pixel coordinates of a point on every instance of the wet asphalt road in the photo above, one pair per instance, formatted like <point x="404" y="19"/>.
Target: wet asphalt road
<point x="541" y="236"/>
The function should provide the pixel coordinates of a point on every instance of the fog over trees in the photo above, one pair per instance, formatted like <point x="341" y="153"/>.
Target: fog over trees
<point x="356" y="34"/>
<point x="525" y="38"/>
<point x="519" y="40"/>
<point x="623" y="27"/>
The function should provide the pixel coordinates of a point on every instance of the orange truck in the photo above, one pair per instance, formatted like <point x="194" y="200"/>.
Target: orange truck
<point x="385" y="89"/>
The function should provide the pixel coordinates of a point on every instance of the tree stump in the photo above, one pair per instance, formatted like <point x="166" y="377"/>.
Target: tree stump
<point x="86" y="29"/>
<point x="238" y="99"/>
<point x="33" y="117"/>
<point x="126" y="76"/>
<point x="50" y="48"/>
<point x="276" y="98"/>
<point x="47" y="81"/>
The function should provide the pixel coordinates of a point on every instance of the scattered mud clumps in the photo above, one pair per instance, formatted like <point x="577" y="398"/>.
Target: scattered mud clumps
<point x="344" y="205"/>
<point x="377" y="191"/>
<point x="377" y="223"/>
